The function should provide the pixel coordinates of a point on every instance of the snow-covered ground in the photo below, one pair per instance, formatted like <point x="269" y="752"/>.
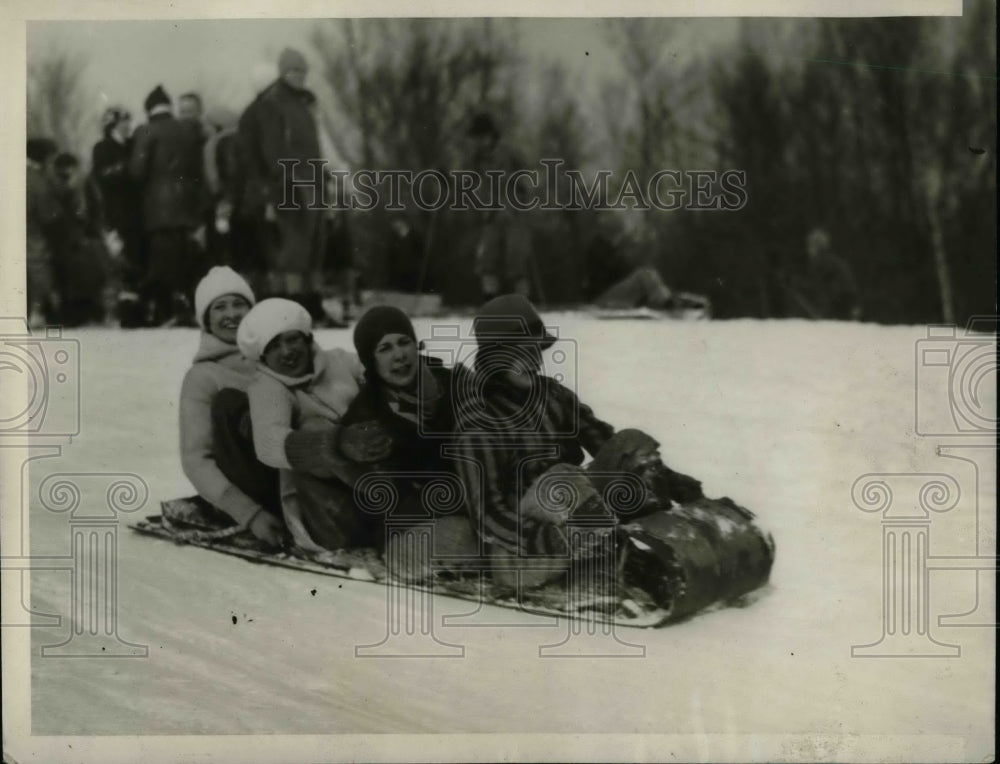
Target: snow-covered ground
<point x="781" y="416"/>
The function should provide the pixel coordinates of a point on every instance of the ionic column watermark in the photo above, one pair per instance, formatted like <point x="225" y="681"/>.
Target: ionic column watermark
<point x="905" y="551"/>
<point x="93" y="501"/>
<point x="409" y="549"/>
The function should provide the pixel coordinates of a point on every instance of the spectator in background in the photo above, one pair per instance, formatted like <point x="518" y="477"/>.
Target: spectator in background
<point x="191" y="109"/>
<point x="503" y="244"/>
<point x="827" y="289"/>
<point x="251" y="238"/>
<point x="122" y="212"/>
<point x="220" y="159"/>
<point x="279" y="124"/>
<point x="79" y="258"/>
<point x="42" y="300"/>
<point x="404" y="255"/>
<point x="166" y="162"/>
<point x="340" y="275"/>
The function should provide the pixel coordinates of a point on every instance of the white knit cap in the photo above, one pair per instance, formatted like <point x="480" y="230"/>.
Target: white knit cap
<point x="267" y="320"/>
<point x="219" y="281"/>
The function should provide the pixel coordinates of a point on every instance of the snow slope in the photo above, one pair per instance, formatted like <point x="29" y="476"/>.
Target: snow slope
<point x="782" y="416"/>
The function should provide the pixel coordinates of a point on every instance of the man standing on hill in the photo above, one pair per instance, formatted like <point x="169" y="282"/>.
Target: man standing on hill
<point x="280" y="124"/>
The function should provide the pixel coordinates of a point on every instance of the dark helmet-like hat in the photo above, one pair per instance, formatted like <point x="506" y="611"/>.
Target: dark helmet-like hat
<point x="510" y="318"/>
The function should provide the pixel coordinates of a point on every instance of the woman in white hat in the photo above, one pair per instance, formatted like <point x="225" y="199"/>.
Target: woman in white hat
<point x="297" y="401"/>
<point x="217" y="452"/>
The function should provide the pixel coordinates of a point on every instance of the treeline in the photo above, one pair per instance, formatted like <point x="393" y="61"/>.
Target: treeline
<point x="880" y="131"/>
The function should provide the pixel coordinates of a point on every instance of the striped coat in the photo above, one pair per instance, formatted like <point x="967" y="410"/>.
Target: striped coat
<point x="508" y="437"/>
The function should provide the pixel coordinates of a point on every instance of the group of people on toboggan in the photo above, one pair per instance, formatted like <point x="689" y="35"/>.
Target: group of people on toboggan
<point x="284" y="436"/>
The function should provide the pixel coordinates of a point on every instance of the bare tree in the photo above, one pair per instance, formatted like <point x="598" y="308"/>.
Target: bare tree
<point x="402" y="93"/>
<point x="59" y="104"/>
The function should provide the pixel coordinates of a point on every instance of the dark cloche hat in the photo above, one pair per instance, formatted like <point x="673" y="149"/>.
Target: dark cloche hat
<point x="510" y="318"/>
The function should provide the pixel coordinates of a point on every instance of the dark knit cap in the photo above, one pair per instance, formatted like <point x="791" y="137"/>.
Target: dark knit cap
<point x="157" y="97"/>
<point x="374" y="325"/>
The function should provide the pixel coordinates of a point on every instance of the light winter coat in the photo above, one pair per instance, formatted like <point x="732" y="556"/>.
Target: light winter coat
<point x="217" y="365"/>
<point x="280" y="405"/>
<point x="295" y="427"/>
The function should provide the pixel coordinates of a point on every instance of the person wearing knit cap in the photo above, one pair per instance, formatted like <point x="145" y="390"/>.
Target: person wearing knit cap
<point x="165" y="163"/>
<point x="109" y="161"/>
<point x="297" y="401"/>
<point x="279" y="126"/>
<point x="158" y="102"/>
<point x="292" y="68"/>
<point x="522" y="428"/>
<point x="408" y="399"/>
<point x="217" y="451"/>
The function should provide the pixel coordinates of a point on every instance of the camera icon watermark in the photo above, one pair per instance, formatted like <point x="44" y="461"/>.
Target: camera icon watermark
<point x="480" y="361"/>
<point x="40" y="377"/>
<point x="39" y="414"/>
<point x="955" y="390"/>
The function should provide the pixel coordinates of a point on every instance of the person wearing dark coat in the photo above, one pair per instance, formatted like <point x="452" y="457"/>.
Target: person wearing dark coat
<point x="824" y="287"/>
<point x="109" y="167"/>
<point x="79" y="257"/>
<point x="166" y="162"/>
<point x="280" y="124"/>
<point x="407" y="394"/>
<point x="42" y="210"/>
<point x="122" y="209"/>
<point x="407" y="404"/>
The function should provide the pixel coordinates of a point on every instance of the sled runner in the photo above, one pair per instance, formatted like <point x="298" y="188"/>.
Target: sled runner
<point x="669" y="565"/>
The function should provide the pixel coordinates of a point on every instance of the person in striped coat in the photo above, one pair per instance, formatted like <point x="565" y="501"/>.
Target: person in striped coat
<point x="522" y="440"/>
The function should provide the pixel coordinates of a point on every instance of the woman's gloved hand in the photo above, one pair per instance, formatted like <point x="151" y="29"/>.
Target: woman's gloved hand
<point x="267" y="528"/>
<point x="684" y="488"/>
<point x="365" y="442"/>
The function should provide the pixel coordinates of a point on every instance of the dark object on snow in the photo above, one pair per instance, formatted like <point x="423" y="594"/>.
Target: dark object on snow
<point x="690" y="557"/>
